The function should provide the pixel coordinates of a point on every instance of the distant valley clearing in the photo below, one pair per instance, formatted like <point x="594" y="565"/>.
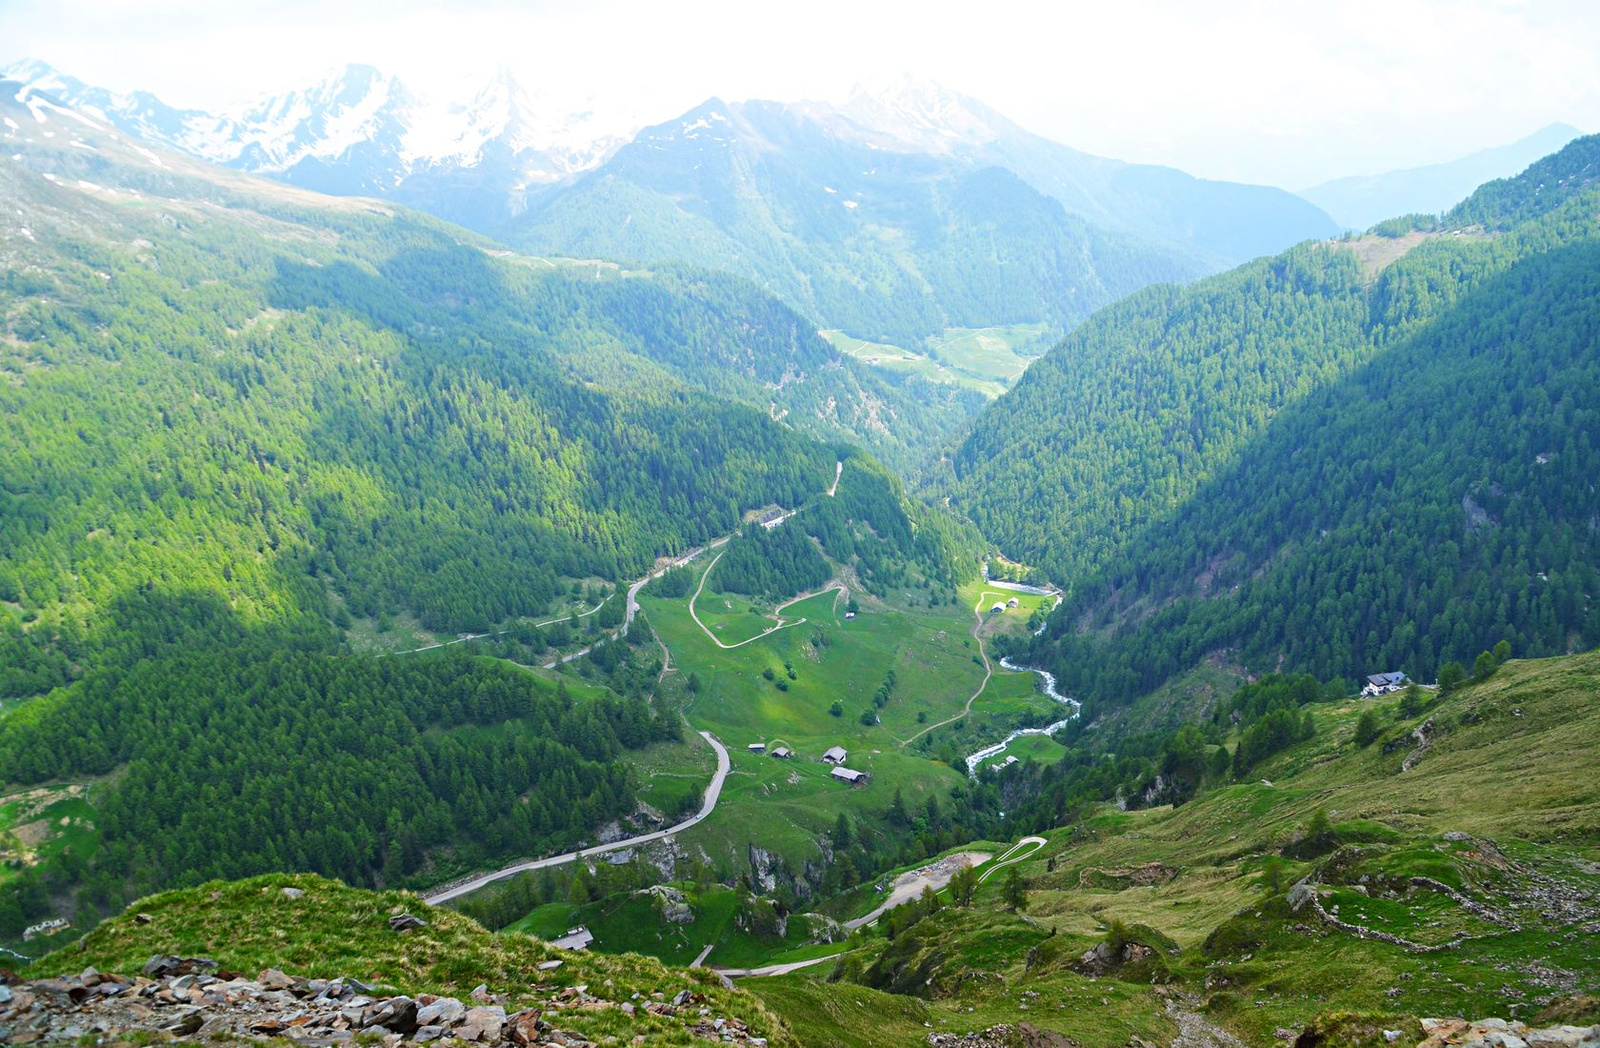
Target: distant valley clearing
<point x="987" y="359"/>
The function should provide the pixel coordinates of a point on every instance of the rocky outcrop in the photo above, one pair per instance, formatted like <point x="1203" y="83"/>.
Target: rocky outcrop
<point x="1305" y="893"/>
<point x="1498" y="1033"/>
<point x="769" y="873"/>
<point x="194" y="998"/>
<point x="768" y="870"/>
<point x="1104" y="957"/>
<point x="672" y="904"/>
<point x="1021" y="1035"/>
<point x="1424" y="735"/>
<point x="822" y="928"/>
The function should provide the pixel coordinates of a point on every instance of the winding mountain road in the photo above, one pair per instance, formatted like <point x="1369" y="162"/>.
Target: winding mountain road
<point x="707" y="805"/>
<point x="778" y="620"/>
<point x="1012" y="855"/>
<point x="909" y="886"/>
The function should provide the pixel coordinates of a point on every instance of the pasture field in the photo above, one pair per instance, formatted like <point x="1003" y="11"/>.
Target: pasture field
<point x="1491" y="810"/>
<point x="1003" y="352"/>
<point x="37" y="825"/>
<point x="784" y="806"/>
<point x="672" y="775"/>
<point x="987" y="360"/>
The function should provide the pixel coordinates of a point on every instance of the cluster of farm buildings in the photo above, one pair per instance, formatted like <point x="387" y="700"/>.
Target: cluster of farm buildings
<point x="835" y="756"/>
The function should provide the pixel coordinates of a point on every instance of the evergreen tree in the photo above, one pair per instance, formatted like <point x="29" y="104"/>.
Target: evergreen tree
<point x="1367" y="728"/>
<point x="1013" y="892"/>
<point x="841" y="832"/>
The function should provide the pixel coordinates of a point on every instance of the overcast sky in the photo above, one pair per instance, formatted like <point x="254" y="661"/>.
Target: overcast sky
<point x="1287" y="92"/>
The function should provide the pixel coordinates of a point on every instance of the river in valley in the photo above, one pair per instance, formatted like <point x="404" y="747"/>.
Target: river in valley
<point x="1049" y="680"/>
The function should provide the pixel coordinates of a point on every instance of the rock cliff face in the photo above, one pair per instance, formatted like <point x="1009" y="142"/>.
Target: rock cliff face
<point x="769" y="871"/>
<point x="196" y="998"/>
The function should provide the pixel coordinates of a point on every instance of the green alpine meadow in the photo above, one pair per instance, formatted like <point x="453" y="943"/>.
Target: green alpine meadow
<point x="812" y="526"/>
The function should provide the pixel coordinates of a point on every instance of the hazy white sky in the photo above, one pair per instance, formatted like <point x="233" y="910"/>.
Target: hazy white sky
<point x="1286" y="92"/>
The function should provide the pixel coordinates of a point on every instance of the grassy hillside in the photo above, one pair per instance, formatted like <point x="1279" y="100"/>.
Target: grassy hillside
<point x="1494" y="812"/>
<point x="334" y="931"/>
<point x="1487" y="838"/>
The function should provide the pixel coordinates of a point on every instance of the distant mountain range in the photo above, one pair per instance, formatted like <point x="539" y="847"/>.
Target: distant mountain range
<point x="897" y="214"/>
<point x="1227" y="221"/>
<point x="887" y="243"/>
<point x="361" y="132"/>
<point x="1363" y="200"/>
<point x="905" y="212"/>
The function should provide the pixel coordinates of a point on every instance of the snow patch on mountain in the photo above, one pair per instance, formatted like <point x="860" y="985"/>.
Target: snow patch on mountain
<point x="924" y="116"/>
<point x="361" y="130"/>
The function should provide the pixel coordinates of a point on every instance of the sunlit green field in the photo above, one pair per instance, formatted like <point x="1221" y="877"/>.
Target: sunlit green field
<point x="784" y="806"/>
<point x="37" y="825"/>
<point x="987" y="360"/>
<point x="1004" y="352"/>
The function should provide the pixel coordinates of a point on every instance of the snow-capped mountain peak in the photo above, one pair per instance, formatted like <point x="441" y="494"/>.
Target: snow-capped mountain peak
<point x="357" y="106"/>
<point x="39" y="76"/>
<point x="924" y="115"/>
<point x="360" y="130"/>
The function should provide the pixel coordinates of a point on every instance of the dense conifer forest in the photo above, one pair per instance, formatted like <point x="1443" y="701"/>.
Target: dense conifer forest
<point x="258" y="758"/>
<point x="242" y="420"/>
<point x="1313" y="464"/>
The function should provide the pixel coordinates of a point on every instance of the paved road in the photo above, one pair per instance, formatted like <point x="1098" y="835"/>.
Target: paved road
<point x="1014" y="854"/>
<point x="1011" y="855"/>
<point x="632" y="608"/>
<point x="713" y="791"/>
<point x="633" y="596"/>
<point x="772" y="969"/>
<point x="676" y="562"/>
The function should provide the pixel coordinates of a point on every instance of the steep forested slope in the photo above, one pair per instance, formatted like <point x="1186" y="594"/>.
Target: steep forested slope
<point x="883" y="242"/>
<point x="260" y="757"/>
<point x="237" y="415"/>
<point x="867" y="526"/>
<point x="1321" y="466"/>
<point x="215" y="386"/>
